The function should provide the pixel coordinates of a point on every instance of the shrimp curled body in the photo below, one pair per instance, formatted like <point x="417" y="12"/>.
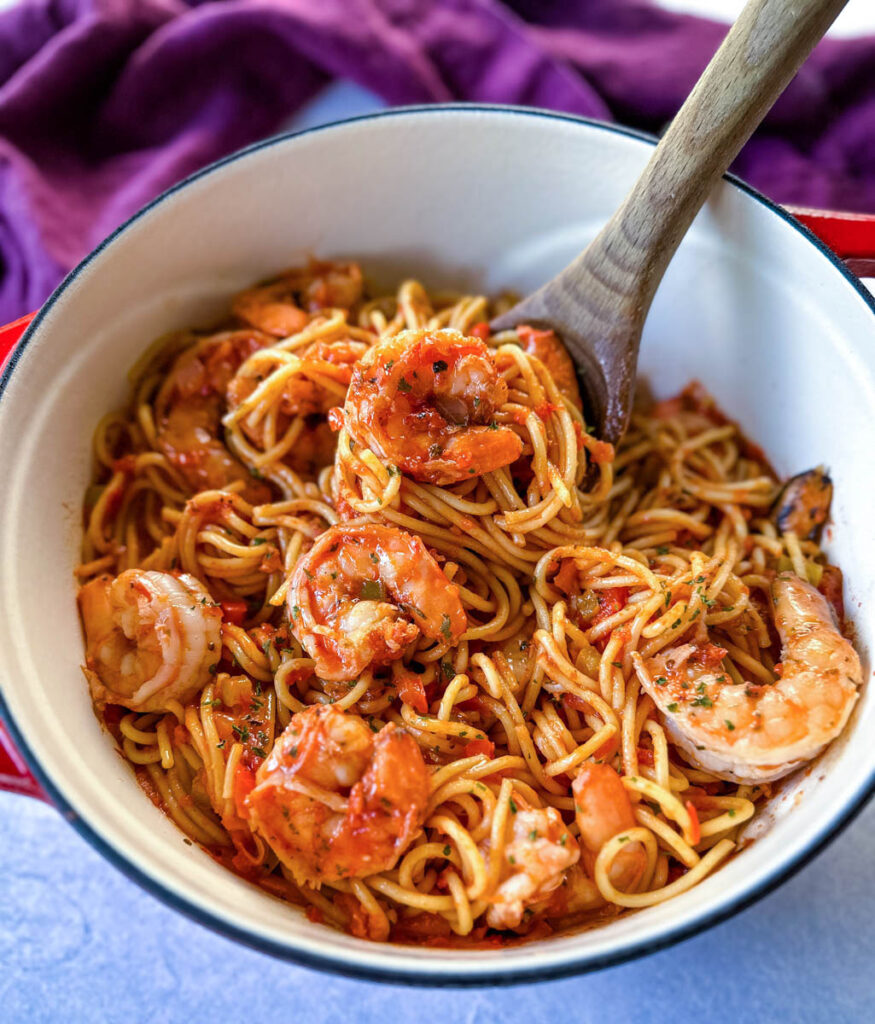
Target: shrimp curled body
<point x="753" y="733"/>
<point x="539" y="852"/>
<point x="335" y="801"/>
<point x="426" y="401"/>
<point x="363" y="594"/>
<point x="151" y="637"/>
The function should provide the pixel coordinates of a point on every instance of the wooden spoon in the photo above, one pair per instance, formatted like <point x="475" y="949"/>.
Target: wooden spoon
<point x="598" y="303"/>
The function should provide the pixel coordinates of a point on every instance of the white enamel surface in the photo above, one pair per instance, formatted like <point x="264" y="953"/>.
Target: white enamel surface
<point x="479" y="199"/>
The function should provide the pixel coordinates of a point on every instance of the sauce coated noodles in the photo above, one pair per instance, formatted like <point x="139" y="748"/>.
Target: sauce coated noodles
<point x="380" y="624"/>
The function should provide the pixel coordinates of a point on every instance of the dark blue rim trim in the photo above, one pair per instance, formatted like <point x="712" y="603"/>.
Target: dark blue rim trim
<point x="339" y="966"/>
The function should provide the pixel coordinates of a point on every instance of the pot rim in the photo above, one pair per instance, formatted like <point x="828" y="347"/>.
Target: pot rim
<point x="339" y="964"/>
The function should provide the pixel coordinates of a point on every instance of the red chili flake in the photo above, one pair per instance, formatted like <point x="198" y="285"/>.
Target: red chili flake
<point x="475" y="747"/>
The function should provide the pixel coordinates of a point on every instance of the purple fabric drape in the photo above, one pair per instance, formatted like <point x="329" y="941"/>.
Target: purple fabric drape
<point x="104" y="103"/>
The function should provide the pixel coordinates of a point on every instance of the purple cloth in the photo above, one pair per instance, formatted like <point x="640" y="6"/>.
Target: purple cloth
<point x="104" y="103"/>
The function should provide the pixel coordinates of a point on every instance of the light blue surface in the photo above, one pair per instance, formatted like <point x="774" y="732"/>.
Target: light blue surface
<point x="78" y="942"/>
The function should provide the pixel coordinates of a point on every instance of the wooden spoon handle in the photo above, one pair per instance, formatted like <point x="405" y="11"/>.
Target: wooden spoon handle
<point x="758" y="58"/>
<point x="600" y="300"/>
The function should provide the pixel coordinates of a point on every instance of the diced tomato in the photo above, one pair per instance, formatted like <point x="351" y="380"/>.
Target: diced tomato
<point x="475" y="747"/>
<point x="608" y="748"/>
<point x="335" y="418"/>
<point x="831" y="588"/>
<point x="471" y="704"/>
<point x="114" y="501"/>
<point x="699" y="798"/>
<point x="412" y="692"/>
<point x="580" y="434"/>
<point x="545" y="409"/>
<point x="125" y="464"/>
<point x="234" y="612"/>
<point x="645" y="756"/>
<point x="315" y="915"/>
<point x="709" y="656"/>
<point x="675" y="872"/>
<point x="695" y="827"/>
<point x="567" y="579"/>
<point x="244" y="783"/>
<point x="481" y="331"/>
<point x="600" y="451"/>
<point x="779" y="669"/>
<point x="611" y="601"/>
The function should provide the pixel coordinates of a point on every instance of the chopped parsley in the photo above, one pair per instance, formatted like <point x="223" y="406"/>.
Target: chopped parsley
<point x="296" y="612"/>
<point x="372" y="590"/>
<point x="434" y="450"/>
<point x="403" y="386"/>
<point x="446" y="626"/>
<point x="259" y="540"/>
<point x="672" y="707"/>
<point x="241" y="732"/>
<point x="660" y="681"/>
<point x="729" y="725"/>
<point x="513" y="806"/>
<point x="703" y="702"/>
<point x="447" y="850"/>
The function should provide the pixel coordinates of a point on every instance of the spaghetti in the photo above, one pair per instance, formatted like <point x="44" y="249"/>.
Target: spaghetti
<point x="465" y="673"/>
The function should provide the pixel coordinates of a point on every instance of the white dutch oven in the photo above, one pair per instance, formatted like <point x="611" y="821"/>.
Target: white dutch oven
<point x="481" y="199"/>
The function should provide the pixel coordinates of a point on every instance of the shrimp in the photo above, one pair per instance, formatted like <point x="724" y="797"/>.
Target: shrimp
<point x="188" y="411"/>
<point x="602" y="810"/>
<point x="363" y="594"/>
<point x="426" y="401"/>
<point x="280" y="306"/>
<point x="151" y="637"/>
<point x="539" y="853"/>
<point x="546" y="346"/>
<point x="758" y="733"/>
<point x="333" y="800"/>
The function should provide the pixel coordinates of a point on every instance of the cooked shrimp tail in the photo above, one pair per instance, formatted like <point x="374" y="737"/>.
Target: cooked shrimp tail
<point x="753" y="733"/>
<point x="151" y="637"/>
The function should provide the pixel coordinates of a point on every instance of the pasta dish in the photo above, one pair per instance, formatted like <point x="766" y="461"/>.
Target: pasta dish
<point x="383" y="627"/>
